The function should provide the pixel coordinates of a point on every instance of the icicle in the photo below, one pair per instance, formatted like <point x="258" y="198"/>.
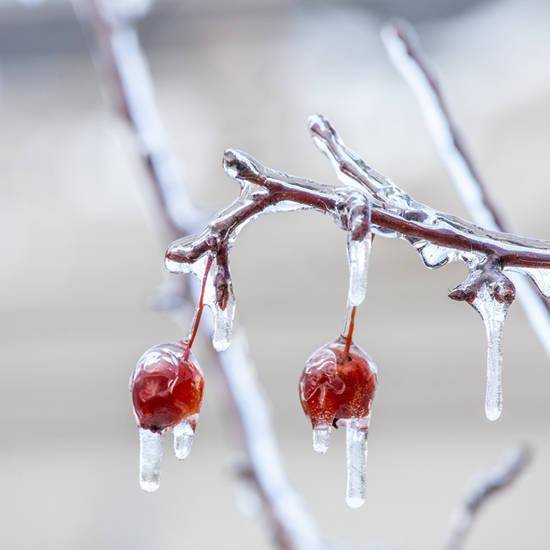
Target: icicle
<point x="150" y="455"/>
<point x="358" y="257"/>
<point x="541" y="277"/>
<point x="356" y="457"/>
<point x="222" y="318"/>
<point x="359" y="244"/>
<point x="493" y="314"/>
<point x="218" y="292"/>
<point x="321" y="438"/>
<point x="223" y="322"/>
<point x="184" y="434"/>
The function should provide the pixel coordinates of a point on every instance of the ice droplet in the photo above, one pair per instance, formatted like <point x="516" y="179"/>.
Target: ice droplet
<point x="434" y="256"/>
<point x="321" y="438"/>
<point x="493" y="314"/>
<point x="358" y="258"/>
<point x="356" y="457"/>
<point x="541" y="277"/>
<point x="184" y="434"/>
<point x="150" y="455"/>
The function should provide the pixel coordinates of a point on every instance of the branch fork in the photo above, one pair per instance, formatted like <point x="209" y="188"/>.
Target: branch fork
<point x="486" y="273"/>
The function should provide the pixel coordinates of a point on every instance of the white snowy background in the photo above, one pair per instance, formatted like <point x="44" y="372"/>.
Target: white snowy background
<point x="81" y="255"/>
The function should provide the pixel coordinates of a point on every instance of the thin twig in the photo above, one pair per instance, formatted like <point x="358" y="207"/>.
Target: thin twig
<point x="486" y="486"/>
<point x="395" y="211"/>
<point x="404" y="50"/>
<point x="127" y="76"/>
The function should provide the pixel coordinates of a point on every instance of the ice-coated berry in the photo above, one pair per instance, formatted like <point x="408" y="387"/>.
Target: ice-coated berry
<point x="336" y="385"/>
<point x="166" y="387"/>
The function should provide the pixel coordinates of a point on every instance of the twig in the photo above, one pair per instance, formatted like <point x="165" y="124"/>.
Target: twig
<point x="393" y="212"/>
<point x="404" y="50"/>
<point x="126" y="73"/>
<point x="489" y="484"/>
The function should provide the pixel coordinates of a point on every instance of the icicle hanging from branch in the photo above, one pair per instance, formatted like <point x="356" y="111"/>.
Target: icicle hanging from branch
<point x="490" y="293"/>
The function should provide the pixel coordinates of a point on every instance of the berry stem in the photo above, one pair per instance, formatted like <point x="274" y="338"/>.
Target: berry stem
<point x="350" y="326"/>
<point x="198" y="312"/>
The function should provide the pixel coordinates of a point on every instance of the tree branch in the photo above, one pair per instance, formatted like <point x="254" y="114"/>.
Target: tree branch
<point x="394" y="213"/>
<point x="489" y="484"/>
<point x="127" y="76"/>
<point x="403" y="47"/>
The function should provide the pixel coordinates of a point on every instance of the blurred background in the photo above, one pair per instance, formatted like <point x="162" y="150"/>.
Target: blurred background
<point x="83" y="257"/>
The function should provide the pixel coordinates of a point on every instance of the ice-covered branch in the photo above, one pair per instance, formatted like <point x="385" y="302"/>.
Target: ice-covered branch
<point x="393" y="212"/>
<point x="486" y="486"/>
<point x="404" y="50"/>
<point x="126" y="74"/>
<point x="367" y="200"/>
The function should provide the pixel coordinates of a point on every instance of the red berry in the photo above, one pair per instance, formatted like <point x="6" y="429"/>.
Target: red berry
<point x="335" y="385"/>
<point x="166" y="387"/>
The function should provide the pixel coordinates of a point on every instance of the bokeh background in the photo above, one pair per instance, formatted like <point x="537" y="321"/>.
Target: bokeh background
<point x="82" y="256"/>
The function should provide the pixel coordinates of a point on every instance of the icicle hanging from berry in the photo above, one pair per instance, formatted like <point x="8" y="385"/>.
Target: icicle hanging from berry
<point x="337" y="388"/>
<point x="150" y="456"/>
<point x="167" y="387"/>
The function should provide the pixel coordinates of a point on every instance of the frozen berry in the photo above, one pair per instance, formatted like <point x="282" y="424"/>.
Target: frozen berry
<point x="167" y="386"/>
<point x="338" y="382"/>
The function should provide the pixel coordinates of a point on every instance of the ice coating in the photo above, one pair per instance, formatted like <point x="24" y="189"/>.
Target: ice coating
<point x="357" y="430"/>
<point x="219" y="298"/>
<point x="166" y="387"/>
<point x="329" y="143"/>
<point x="150" y="456"/>
<point x="223" y="319"/>
<point x="359" y="244"/>
<point x="493" y="312"/>
<point x="336" y="386"/>
<point x="541" y="277"/>
<point x="184" y="433"/>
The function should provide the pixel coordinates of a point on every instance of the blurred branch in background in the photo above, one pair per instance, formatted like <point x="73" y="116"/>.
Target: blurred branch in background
<point x="403" y="47"/>
<point x="489" y="484"/>
<point x="125" y="71"/>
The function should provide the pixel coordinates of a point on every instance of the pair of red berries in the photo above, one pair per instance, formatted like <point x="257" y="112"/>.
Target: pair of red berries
<point x="338" y="383"/>
<point x="337" y="387"/>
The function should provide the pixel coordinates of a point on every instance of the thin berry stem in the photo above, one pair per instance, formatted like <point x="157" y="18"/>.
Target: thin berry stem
<point x="351" y="326"/>
<point x="198" y="312"/>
